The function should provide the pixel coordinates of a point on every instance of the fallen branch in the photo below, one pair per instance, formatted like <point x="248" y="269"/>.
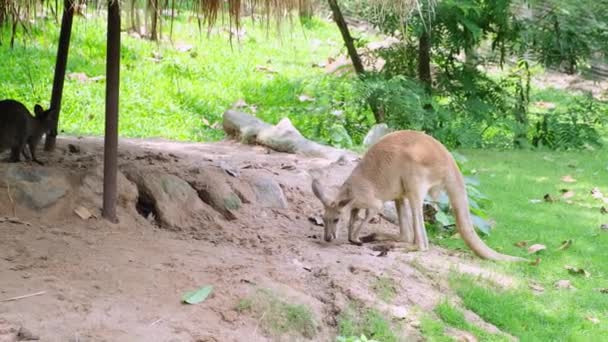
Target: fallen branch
<point x="24" y="296"/>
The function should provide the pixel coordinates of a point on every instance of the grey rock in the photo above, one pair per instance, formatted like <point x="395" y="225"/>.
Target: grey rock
<point x="268" y="193"/>
<point x="243" y="126"/>
<point x="284" y="137"/>
<point x="175" y="201"/>
<point x="213" y="188"/>
<point x="92" y="188"/>
<point x="35" y="187"/>
<point x="375" y="133"/>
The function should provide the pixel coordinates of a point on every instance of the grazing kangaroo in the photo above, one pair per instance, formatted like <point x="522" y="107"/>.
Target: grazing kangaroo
<point x="404" y="167"/>
<point x="19" y="128"/>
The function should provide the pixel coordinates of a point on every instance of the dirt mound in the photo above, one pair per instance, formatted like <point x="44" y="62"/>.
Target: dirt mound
<point x="229" y="215"/>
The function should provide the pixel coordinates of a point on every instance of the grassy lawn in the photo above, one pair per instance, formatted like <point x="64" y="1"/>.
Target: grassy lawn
<point x="181" y="95"/>
<point x="511" y="179"/>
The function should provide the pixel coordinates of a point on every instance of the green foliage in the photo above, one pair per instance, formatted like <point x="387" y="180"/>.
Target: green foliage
<point x="357" y="321"/>
<point x="571" y="127"/>
<point x="478" y="203"/>
<point x="512" y="179"/>
<point x="278" y="316"/>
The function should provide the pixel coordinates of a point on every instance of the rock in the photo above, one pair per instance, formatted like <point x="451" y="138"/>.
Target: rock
<point x="91" y="188"/>
<point x="399" y="312"/>
<point x="176" y="203"/>
<point x="35" y="187"/>
<point x="268" y="193"/>
<point x="375" y="133"/>
<point x="243" y="126"/>
<point x="284" y="137"/>
<point x="26" y="335"/>
<point x="213" y="188"/>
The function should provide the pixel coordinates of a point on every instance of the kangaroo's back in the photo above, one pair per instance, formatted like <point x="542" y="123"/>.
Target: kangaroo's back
<point x="405" y="153"/>
<point x="14" y="123"/>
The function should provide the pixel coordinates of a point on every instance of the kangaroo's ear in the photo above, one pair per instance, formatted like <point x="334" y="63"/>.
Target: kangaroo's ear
<point x="316" y="189"/>
<point x="344" y="202"/>
<point x="39" y="111"/>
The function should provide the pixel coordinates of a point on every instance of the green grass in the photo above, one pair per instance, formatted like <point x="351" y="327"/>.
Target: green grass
<point x="277" y="316"/>
<point x="357" y="321"/>
<point x="183" y="95"/>
<point x="385" y="288"/>
<point x="511" y="179"/>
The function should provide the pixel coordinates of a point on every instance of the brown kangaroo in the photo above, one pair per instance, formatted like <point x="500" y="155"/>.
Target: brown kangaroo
<point x="404" y="167"/>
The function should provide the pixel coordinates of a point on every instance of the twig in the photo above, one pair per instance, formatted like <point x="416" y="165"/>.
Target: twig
<point x="10" y="198"/>
<point x="156" y="322"/>
<point x="255" y="331"/>
<point x="24" y="296"/>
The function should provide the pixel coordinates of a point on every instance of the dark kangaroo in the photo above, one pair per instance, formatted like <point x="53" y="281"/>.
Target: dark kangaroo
<point x="19" y="128"/>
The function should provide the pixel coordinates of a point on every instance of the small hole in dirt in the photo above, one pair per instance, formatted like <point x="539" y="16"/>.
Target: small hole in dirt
<point x="145" y="207"/>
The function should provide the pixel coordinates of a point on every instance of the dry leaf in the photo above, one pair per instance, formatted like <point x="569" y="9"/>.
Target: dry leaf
<point x="305" y="98"/>
<point x="83" y="213"/>
<point x="565" y="245"/>
<point x="536" y="262"/>
<point x="568" y="179"/>
<point x="577" y="271"/>
<point x="535" y="248"/>
<point x="548" y="198"/>
<point x="240" y="103"/>
<point x="567" y="194"/>
<point x="265" y="69"/>
<point x="521" y="244"/>
<point x="537" y="288"/>
<point x="596" y="193"/>
<point x="563" y="284"/>
<point x="592" y="319"/>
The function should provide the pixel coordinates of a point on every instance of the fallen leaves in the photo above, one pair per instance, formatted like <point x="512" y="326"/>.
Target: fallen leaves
<point x="535" y="248"/>
<point x="537" y="288"/>
<point x="563" y="284"/>
<point x="567" y="193"/>
<point x="568" y="179"/>
<point x="197" y="296"/>
<point x="577" y="271"/>
<point x="592" y="319"/>
<point x="522" y="244"/>
<point x="83" y="213"/>
<point x="565" y="245"/>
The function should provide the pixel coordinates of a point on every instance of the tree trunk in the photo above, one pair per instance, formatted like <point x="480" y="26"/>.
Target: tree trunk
<point x="110" y="151"/>
<point x="60" y="67"/>
<point x="424" y="60"/>
<point x="154" y="19"/>
<point x="306" y="10"/>
<point x="354" y="56"/>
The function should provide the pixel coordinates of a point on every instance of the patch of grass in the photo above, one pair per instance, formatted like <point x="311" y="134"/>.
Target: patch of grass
<point x="433" y="330"/>
<point x="385" y="288"/>
<point x="277" y="316"/>
<point x="452" y="316"/>
<point x="182" y="95"/>
<point x="358" y="321"/>
<point x="511" y="179"/>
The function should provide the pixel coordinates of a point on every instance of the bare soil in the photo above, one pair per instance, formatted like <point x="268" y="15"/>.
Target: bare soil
<point x="125" y="281"/>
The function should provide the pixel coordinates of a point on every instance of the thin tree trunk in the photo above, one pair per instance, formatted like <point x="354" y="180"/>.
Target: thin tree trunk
<point x="424" y="60"/>
<point x="60" y="67"/>
<point x="354" y="56"/>
<point x="154" y="19"/>
<point x="110" y="150"/>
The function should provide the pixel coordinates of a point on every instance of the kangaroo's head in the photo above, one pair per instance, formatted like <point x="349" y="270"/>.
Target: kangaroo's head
<point x="45" y="119"/>
<point x="334" y="209"/>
